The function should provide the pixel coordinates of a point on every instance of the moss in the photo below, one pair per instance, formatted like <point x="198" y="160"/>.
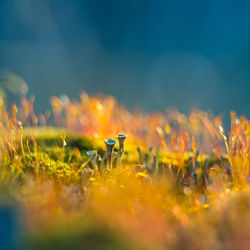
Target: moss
<point x="77" y="238"/>
<point x="48" y="137"/>
<point x="47" y="154"/>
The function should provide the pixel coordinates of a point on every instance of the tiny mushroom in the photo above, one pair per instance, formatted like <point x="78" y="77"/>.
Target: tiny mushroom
<point x="109" y="149"/>
<point x="121" y="138"/>
<point x="92" y="155"/>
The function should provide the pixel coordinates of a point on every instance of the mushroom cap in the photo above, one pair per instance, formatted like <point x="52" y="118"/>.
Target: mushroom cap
<point x="121" y="136"/>
<point x="110" y="142"/>
<point x="91" y="152"/>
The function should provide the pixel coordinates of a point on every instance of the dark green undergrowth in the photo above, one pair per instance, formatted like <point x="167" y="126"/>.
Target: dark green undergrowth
<point x="76" y="237"/>
<point x="50" y="137"/>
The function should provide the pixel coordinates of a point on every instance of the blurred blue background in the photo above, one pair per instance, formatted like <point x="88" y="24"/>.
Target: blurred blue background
<point x="154" y="53"/>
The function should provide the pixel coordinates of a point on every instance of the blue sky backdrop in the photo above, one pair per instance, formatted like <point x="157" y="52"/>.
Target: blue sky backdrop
<point x="154" y="53"/>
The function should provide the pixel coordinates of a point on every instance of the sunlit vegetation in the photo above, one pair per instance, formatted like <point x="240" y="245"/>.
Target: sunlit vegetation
<point x="93" y="175"/>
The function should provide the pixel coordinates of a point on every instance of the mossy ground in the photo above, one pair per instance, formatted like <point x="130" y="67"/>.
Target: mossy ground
<point x="51" y="179"/>
<point x="191" y="190"/>
<point x="47" y="160"/>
